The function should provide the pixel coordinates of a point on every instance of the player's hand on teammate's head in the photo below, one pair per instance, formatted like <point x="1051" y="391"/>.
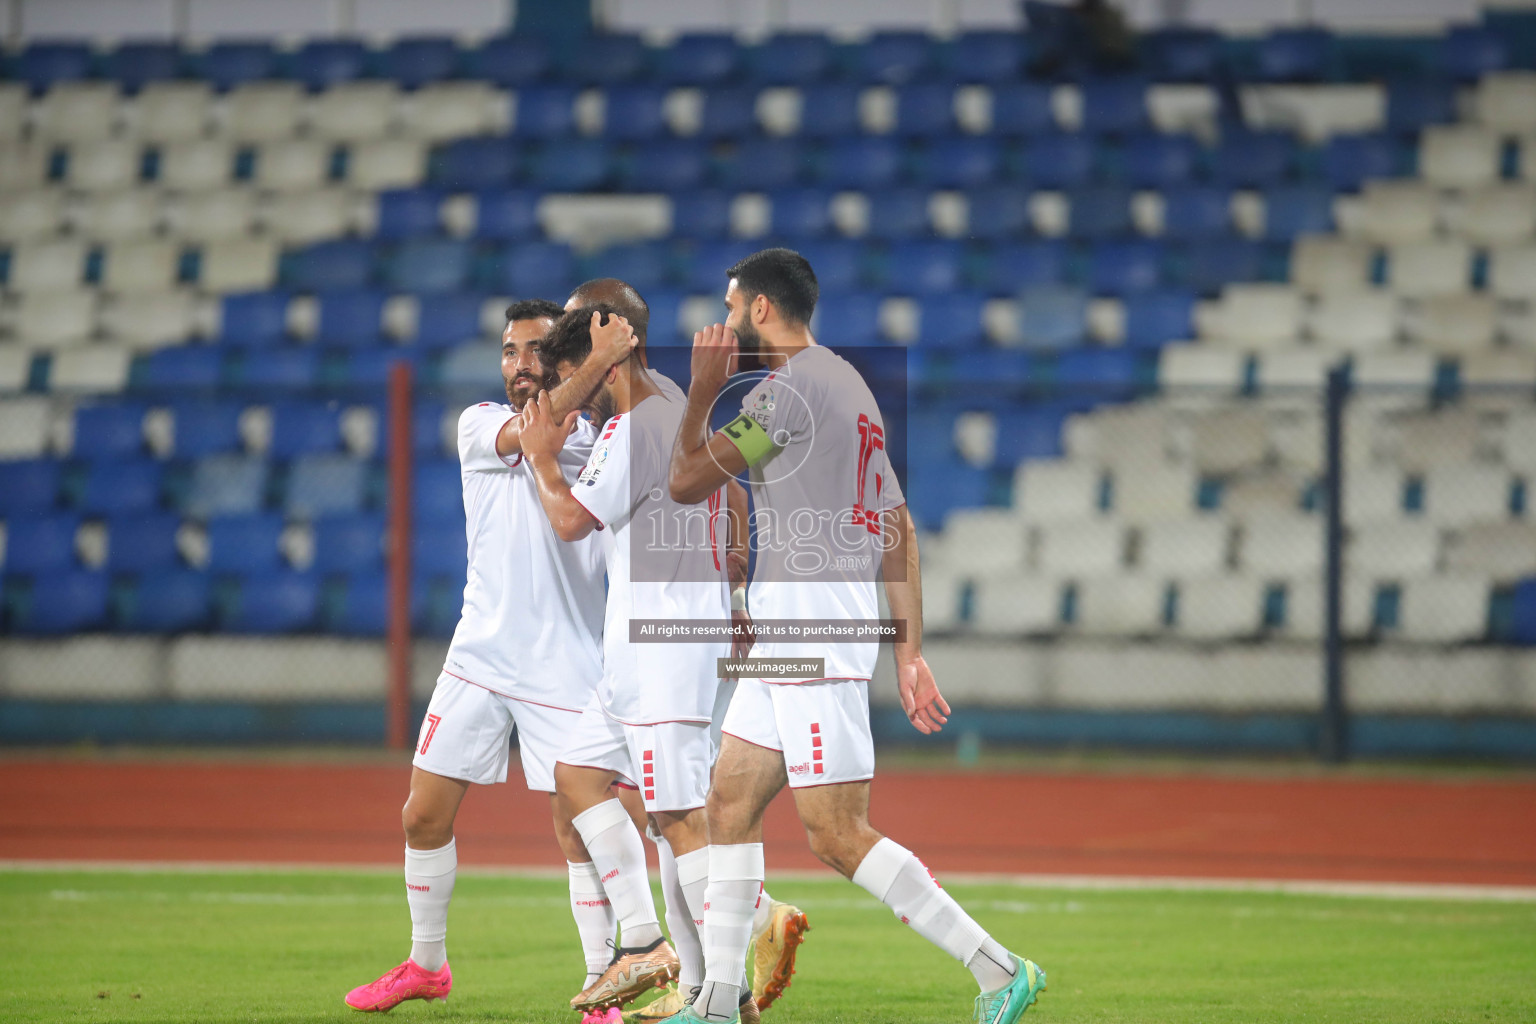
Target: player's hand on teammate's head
<point x="612" y="342"/>
<point x="925" y="706"/>
<point x="714" y="355"/>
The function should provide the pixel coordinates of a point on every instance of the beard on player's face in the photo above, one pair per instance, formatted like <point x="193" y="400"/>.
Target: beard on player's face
<point x="526" y="383"/>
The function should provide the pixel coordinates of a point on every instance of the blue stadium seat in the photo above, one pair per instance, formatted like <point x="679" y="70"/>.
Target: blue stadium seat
<point x="44" y="544"/>
<point x="1182" y="54"/>
<point x="182" y="368"/>
<point x="952" y="320"/>
<point x="570" y="165"/>
<point x="1033" y="432"/>
<point x="925" y="108"/>
<point x="439" y="550"/>
<point x="701" y="214"/>
<point x="1101" y="372"/>
<point x="328" y="266"/>
<point x="366" y="369"/>
<point x="142" y="543"/>
<point x="68" y="602"/>
<point x="437" y="495"/>
<point x="302" y="428"/>
<point x="1295" y="55"/>
<point x="763" y="164"/>
<point x="244" y="543"/>
<point x="509" y="61"/>
<point x="1099" y="213"/>
<point x="361" y="606"/>
<point x="408" y="213"/>
<point x="322" y="63"/>
<point x="1124" y="268"/>
<point x="1052" y="316"/>
<point x="829" y="111"/>
<point x="963" y="162"/>
<point x="171" y="601"/>
<point x="891" y="58"/>
<point x="606" y="58"/>
<point x="206" y="428"/>
<point x="1297" y="209"/>
<point x="645" y="265"/>
<point x="1059" y="160"/>
<point x="350" y="544"/>
<point x="505" y="215"/>
<point x="1254" y="159"/>
<point x="127" y="485"/>
<point x="999" y="212"/>
<point x="898" y="213"/>
<point x="425" y="265"/>
<point x="634" y="112"/>
<point x="985" y="57"/>
<point x="728" y="113"/>
<point x="666" y="309"/>
<point x="1115" y="106"/>
<point x="1211" y="265"/>
<point x="862" y="162"/>
<point x="698" y="59"/>
<point x="254" y="319"/>
<point x="531" y="269"/>
<point x="1197" y="211"/>
<point x="324" y="485"/>
<point x="708" y="261"/>
<point x="1467" y="53"/>
<point x="44" y="65"/>
<point x="1010" y="268"/>
<point x="279" y="369"/>
<point x="415" y="61"/>
<point x="665" y="165"/>
<point x="938" y="484"/>
<point x="471" y="164"/>
<point x="135" y="65"/>
<point x="226" y="65"/>
<point x="1156" y="160"/>
<point x="1414" y="103"/>
<point x="1022" y="108"/>
<point x="790" y="59"/>
<point x="848" y="319"/>
<point x="923" y="268"/>
<point x="108" y="431"/>
<point x="545" y="112"/>
<point x="839" y="264"/>
<point x="1155" y="318"/>
<point x="447" y="319"/>
<point x="1351" y="160"/>
<point x="991" y="367"/>
<point x="28" y="487"/>
<point x="351" y="317"/>
<point x="800" y="213"/>
<point x="273" y="602"/>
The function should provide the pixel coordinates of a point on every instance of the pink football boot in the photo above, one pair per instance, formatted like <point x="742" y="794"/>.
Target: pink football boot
<point x="407" y="981"/>
<point x="609" y="1016"/>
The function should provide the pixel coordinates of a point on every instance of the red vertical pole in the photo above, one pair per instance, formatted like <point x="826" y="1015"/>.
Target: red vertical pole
<point x="397" y="709"/>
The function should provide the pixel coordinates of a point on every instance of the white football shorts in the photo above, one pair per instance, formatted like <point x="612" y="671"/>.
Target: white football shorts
<point x="821" y="728"/>
<point x="668" y="762"/>
<point x="468" y="731"/>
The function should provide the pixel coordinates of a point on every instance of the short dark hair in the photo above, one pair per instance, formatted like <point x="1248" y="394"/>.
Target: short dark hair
<point x="622" y="296"/>
<point x="570" y="340"/>
<point x="785" y="277"/>
<point x="533" y="309"/>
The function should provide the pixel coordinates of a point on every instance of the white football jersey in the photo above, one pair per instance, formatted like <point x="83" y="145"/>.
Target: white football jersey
<point x="532" y="622"/>
<point x="666" y="561"/>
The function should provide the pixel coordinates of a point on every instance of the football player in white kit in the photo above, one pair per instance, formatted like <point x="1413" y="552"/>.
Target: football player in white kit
<point x="829" y="516"/>
<point x="526" y="654"/>
<point x="778" y="928"/>
<point x="649" y="721"/>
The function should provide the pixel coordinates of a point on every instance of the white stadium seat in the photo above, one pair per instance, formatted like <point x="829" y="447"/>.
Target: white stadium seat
<point x="117" y="216"/>
<point x="1506" y="102"/>
<point x="23" y="165"/>
<point x="30" y="215"/>
<point x="1512" y="272"/>
<point x="1517" y="443"/>
<point x="1356" y="321"/>
<point x="1264" y="493"/>
<point x="213" y="214"/>
<point x="1185" y="547"/>
<point x="54" y="319"/>
<point x="298" y="218"/>
<point x="172" y="111"/>
<point x="1467" y="493"/>
<point x="1447" y="438"/>
<point x="1503" y="552"/>
<point x="24" y="425"/>
<point x="263" y="111"/>
<point x="941" y="600"/>
<point x="76" y="111"/>
<point x="1118" y="435"/>
<point x="1455" y="323"/>
<point x="1305" y="603"/>
<point x="1497" y="215"/>
<point x="1409" y="373"/>
<point x="982" y="540"/>
<point x="1092" y="548"/>
<point x="1196" y="371"/>
<point x="15" y="368"/>
<point x="239" y="264"/>
<point x="1221" y="440"/>
<point x="1390" y="212"/>
<point x="1324" y="263"/>
<point x="1120" y="605"/>
<point x="293" y="164"/>
<point x="90" y="369"/>
<point x="104" y="164"/>
<point x="1047" y="491"/>
<point x="1373" y="494"/>
<point x="47" y="265"/>
<point x="1219" y="607"/>
<point x="1441" y="267"/>
<point x="199" y="164"/>
<point x="1444" y="609"/>
<point x="1011" y="605"/>
<point x="1299" y="372"/>
<point x="13" y="110"/>
<point x="1458" y="156"/>
<point x="149" y="319"/>
<point x="145" y="266"/>
<point x="354" y="111"/>
<point x="1410" y="547"/>
<point x="448" y="110"/>
<point x="1254" y="315"/>
<point x="1506" y="367"/>
<point x="387" y="163"/>
<point x="1281" y="545"/>
<point x="1153" y="491"/>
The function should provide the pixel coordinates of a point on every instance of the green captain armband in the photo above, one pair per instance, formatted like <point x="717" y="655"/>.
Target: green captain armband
<point x="749" y="437"/>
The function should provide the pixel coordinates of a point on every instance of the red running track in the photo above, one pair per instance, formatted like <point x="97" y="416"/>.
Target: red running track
<point x="1345" y="828"/>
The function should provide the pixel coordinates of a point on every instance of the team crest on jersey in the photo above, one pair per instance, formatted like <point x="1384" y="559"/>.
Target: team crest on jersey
<point x="594" y="468"/>
<point x="763" y="406"/>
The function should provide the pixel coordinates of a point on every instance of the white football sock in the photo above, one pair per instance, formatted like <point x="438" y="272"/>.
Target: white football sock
<point x="735" y="886"/>
<point x="593" y="912"/>
<point x="429" y="877"/>
<point x="610" y="837"/>
<point x="761" y="914"/>
<point x="684" y="919"/>
<point x="895" y="877"/>
<point x="693" y="879"/>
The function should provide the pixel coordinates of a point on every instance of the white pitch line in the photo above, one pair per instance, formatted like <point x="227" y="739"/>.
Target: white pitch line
<point x="1105" y="883"/>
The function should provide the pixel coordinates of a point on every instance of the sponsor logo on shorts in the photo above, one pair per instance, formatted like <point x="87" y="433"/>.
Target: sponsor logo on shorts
<point x="803" y="768"/>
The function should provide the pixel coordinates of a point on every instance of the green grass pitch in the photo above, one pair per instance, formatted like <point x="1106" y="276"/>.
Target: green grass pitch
<point x="204" y="947"/>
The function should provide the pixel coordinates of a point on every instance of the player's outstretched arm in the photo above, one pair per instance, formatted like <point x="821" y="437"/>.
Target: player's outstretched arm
<point x="925" y="706"/>
<point x="701" y="460"/>
<point x="611" y="344"/>
<point x="543" y="436"/>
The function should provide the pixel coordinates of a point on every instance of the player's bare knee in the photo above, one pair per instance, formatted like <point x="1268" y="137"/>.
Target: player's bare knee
<point x="425" y="828"/>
